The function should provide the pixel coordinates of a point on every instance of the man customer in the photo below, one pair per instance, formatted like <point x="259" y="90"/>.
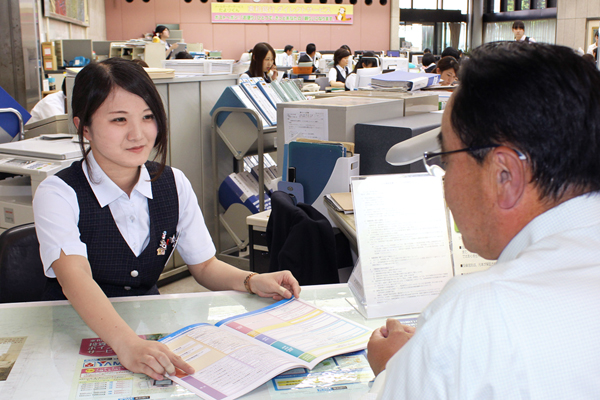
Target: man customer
<point x="523" y="185"/>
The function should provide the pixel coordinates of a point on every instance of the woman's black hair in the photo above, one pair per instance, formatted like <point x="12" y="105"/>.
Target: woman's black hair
<point x="160" y="29"/>
<point x="339" y="55"/>
<point x="96" y="81"/>
<point x="259" y="52"/>
<point x="448" y="62"/>
<point x="365" y="58"/>
<point x="518" y="25"/>
<point x="428" y="59"/>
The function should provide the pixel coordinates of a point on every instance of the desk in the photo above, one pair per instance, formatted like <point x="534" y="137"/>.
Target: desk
<point x="346" y="224"/>
<point x="45" y="367"/>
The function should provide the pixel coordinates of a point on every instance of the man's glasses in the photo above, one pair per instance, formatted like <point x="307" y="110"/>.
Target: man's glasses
<point x="436" y="166"/>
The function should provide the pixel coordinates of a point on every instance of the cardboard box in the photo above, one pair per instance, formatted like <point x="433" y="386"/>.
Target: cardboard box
<point x="50" y="63"/>
<point x="48" y="49"/>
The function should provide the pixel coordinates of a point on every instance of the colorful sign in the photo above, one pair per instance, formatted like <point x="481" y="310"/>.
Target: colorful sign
<point x="248" y="13"/>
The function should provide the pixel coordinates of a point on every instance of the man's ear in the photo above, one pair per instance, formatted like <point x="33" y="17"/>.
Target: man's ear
<point x="510" y="176"/>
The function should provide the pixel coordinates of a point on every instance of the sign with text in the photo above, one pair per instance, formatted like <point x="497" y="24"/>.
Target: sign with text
<point x="248" y="13"/>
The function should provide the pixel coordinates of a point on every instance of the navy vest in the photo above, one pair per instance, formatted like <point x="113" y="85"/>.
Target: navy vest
<point x="340" y="77"/>
<point x="112" y="261"/>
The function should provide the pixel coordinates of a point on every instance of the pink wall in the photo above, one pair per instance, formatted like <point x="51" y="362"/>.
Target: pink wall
<point x="370" y="30"/>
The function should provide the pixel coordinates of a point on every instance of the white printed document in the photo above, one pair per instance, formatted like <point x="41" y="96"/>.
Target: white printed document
<point x="403" y="242"/>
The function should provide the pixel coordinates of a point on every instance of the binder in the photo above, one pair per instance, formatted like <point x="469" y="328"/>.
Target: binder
<point x="269" y="93"/>
<point x="408" y="80"/>
<point x="241" y="188"/>
<point x="260" y="102"/>
<point x="276" y="86"/>
<point x="314" y="163"/>
<point x="9" y="122"/>
<point x="234" y="96"/>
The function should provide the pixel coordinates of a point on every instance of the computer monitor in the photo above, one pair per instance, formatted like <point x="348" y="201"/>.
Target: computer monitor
<point x="365" y="75"/>
<point x="101" y="47"/>
<point x="393" y="53"/>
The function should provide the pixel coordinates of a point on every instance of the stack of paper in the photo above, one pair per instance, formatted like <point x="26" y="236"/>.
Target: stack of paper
<point x="404" y="80"/>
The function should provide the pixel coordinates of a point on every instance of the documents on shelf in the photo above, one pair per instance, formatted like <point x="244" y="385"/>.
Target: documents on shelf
<point x="403" y="242"/>
<point x="240" y="353"/>
<point x="341" y="202"/>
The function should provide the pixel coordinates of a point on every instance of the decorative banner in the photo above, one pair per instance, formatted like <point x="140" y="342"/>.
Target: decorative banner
<point x="248" y="13"/>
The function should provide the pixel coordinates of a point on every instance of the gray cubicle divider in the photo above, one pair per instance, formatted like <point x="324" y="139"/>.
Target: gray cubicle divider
<point x="374" y="139"/>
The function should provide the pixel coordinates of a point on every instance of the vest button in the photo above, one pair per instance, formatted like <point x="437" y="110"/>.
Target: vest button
<point x="134" y="273"/>
<point x="127" y="288"/>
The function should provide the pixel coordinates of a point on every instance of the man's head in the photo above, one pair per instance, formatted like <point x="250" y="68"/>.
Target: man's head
<point x="518" y="29"/>
<point x="311" y="49"/>
<point x="452" y="52"/>
<point x="547" y="151"/>
<point x="288" y="49"/>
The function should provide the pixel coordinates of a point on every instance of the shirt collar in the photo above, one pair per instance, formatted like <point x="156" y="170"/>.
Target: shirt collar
<point x="105" y="190"/>
<point x="578" y="212"/>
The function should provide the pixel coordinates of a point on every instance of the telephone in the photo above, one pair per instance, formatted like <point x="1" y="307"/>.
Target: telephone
<point x="310" y="87"/>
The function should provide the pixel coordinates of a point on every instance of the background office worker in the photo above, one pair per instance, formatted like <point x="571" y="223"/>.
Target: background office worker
<point x="518" y="29"/>
<point x="523" y="185"/>
<point x="339" y="72"/>
<point x="262" y="63"/>
<point x="107" y="224"/>
<point x="309" y="56"/>
<point x="367" y="60"/>
<point x="163" y="34"/>
<point x="447" y="68"/>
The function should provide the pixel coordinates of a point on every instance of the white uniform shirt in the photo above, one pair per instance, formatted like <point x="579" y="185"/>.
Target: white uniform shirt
<point x="333" y="73"/>
<point x="591" y="48"/>
<point x="53" y="104"/>
<point x="56" y="212"/>
<point x="527" y="328"/>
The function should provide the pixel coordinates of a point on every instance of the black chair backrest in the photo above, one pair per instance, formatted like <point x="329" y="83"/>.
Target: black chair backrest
<point x="21" y="272"/>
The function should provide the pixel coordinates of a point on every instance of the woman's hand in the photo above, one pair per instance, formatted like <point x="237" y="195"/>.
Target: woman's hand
<point x="174" y="46"/>
<point x="273" y="72"/>
<point x="278" y="285"/>
<point x="151" y="358"/>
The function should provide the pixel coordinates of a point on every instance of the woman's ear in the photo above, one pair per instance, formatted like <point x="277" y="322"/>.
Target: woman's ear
<point x="86" y="132"/>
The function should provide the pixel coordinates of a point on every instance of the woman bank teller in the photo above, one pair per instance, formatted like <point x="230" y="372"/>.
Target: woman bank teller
<point x="339" y="72"/>
<point x="108" y="223"/>
<point x="163" y="34"/>
<point x="262" y="63"/>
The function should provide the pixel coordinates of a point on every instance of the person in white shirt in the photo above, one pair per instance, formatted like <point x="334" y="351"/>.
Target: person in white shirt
<point x="367" y="60"/>
<point x="594" y="45"/>
<point x="518" y="29"/>
<point x="523" y="185"/>
<point x="338" y="74"/>
<point x="163" y="34"/>
<point x="108" y="224"/>
<point x="288" y="58"/>
<point x="52" y="104"/>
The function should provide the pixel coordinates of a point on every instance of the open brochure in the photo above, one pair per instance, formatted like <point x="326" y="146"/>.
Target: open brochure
<point x="240" y="353"/>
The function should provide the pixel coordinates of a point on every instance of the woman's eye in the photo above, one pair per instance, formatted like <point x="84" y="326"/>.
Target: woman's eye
<point x="120" y="119"/>
<point x="149" y="116"/>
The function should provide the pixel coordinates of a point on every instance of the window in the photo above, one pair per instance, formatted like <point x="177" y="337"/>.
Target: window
<point x="457" y="5"/>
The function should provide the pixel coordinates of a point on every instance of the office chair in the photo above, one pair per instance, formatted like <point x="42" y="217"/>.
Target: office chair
<point x="21" y="272"/>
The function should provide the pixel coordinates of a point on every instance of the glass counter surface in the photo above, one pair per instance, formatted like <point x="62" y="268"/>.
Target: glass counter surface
<point x="46" y="364"/>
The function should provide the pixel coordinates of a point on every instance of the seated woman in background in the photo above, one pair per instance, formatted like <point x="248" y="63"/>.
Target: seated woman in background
<point x="367" y="60"/>
<point x="262" y="63"/>
<point x="339" y="72"/>
<point x="447" y="68"/>
<point x="163" y="34"/>
<point x="108" y="224"/>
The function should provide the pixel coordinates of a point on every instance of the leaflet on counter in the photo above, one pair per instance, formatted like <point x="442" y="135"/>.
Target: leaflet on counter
<point x="240" y="353"/>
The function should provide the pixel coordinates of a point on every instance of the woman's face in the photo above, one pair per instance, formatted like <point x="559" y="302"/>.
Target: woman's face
<point x="344" y="62"/>
<point x="268" y="61"/>
<point x="447" y="77"/>
<point x="165" y="34"/>
<point x="122" y="132"/>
